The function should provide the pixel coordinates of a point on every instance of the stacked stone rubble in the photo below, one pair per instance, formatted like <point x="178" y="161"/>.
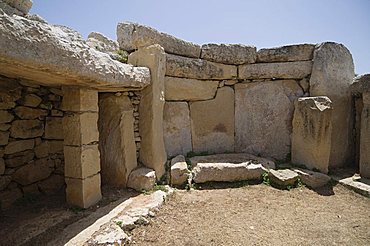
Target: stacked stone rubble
<point x="31" y="140"/>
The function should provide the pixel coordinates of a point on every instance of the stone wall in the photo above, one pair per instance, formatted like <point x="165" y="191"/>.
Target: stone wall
<point x="31" y="140"/>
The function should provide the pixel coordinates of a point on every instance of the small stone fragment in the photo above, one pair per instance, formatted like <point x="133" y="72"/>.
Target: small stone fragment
<point x="283" y="178"/>
<point x="142" y="179"/>
<point x="179" y="171"/>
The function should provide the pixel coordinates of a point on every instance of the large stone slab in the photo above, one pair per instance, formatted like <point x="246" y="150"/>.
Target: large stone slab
<point x="152" y="152"/>
<point x="116" y="139"/>
<point x="263" y="115"/>
<point x="297" y="52"/>
<point x="332" y="74"/>
<point x="312" y="132"/>
<point x="176" y="128"/>
<point x="181" y="89"/>
<point x="132" y="36"/>
<point x="213" y="131"/>
<point x="365" y="137"/>
<point x="178" y="66"/>
<point x="57" y="55"/>
<point x="234" y="54"/>
<point x="278" y="70"/>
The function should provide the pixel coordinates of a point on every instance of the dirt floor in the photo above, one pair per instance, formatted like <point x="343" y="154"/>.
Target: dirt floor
<point x="260" y="215"/>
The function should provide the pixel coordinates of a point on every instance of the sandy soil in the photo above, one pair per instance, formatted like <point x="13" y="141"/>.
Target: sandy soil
<point x="260" y="215"/>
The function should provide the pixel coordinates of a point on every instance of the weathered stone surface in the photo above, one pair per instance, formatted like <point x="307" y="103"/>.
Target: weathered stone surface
<point x="81" y="161"/>
<point x="279" y="70"/>
<point x="234" y="54"/>
<point x="283" y="178"/>
<point x="211" y="131"/>
<point x="26" y="113"/>
<point x="116" y="139"/>
<point x="181" y="89"/>
<point x="312" y="179"/>
<point x="4" y="127"/>
<point x="332" y="74"/>
<point x="297" y="52"/>
<point x="54" y="128"/>
<point x="361" y="84"/>
<point x="4" y="181"/>
<point x="26" y="129"/>
<point x="312" y="132"/>
<point x="4" y="138"/>
<point x="8" y="197"/>
<point x="83" y="192"/>
<point x="32" y="172"/>
<point x="51" y="185"/>
<point x="178" y="66"/>
<point x="227" y="172"/>
<point x="235" y="158"/>
<point x="109" y="234"/>
<point x="19" y="146"/>
<point x="132" y="36"/>
<point x="73" y="62"/>
<point x="176" y="128"/>
<point x="9" y="10"/>
<point x="179" y="171"/>
<point x="55" y="147"/>
<point x="2" y="166"/>
<point x="263" y="115"/>
<point x="152" y="152"/>
<point x="22" y="5"/>
<point x="5" y="116"/>
<point x="31" y="189"/>
<point x="101" y="43"/>
<point x="32" y="100"/>
<point x="19" y="159"/>
<point x="79" y="100"/>
<point x="142" y="179"/>
<point x="365" y="137"/>
<point x="10" y="91"/>
<point x="42" y="150"/>
<point x="80" y="128"/>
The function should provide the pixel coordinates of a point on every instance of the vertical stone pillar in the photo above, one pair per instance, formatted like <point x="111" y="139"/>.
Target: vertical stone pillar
<point x="365" y="137"/>
<point x="152" y="153"/>
<point x="312" y="132"/>
<point x="81" y="152"/>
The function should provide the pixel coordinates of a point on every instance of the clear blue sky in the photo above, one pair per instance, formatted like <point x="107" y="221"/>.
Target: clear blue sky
<point x="263" y="23"/>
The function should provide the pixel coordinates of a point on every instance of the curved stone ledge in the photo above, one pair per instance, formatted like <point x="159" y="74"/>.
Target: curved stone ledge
<point x="57" y="55"/>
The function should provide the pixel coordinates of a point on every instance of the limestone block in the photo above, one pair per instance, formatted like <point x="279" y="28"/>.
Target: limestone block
<point x="27" y="129"/>
<point x="227" y="172"/>
<point x="80" y="128"/>
<point x="79" y="100"/>
<point x="178" y="66"/>
<point x="4" y="127"/>
<point x="176" y="128"/>
<point x="19" y="159"/>
<point x="8" y="197"/>
<point x="116" y="139"/>
<point x="101" y="43"/>
<point x="181" y="89"/>
<point x="32" y="172"/>
<point x="332" y="74"/>
<point x="312" y="179"/>
<point x="81" y="161"/>
<point x="283" y="178"/>
<point x="361" y="84"/>
<point x="55" y="147"/>
<point x="4" y="137"/>
<point x="83" y="192"/>
<point x="22" y="5"/>
<point x="279" y="70"/>
<point x="19" y="146"/>
<point x="234" y="54"/>
<point x="5" y="116"/>
<point x="365" y="137"/>
<point x="312" y="132"/>
<point x="263" y="115"/>
<point x="296" y="52"/>
<point x="132" y="36"/>
<point x="42" y="150"/>
<point x="54" y="128"/>
<point x="26" y="113"/>
<point x="213" y="131"/>
<point x="2" y="166"/>
<point x="179" y="171"/>
<point x="32" y="100"/>
<point x="51" y="185"/>
<point x="152" y="152"/>
<point x="4" y="181"/>
<point x="10" y="91"/>
<point x="2" y="152"/>
<point x="142" y="179"/>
